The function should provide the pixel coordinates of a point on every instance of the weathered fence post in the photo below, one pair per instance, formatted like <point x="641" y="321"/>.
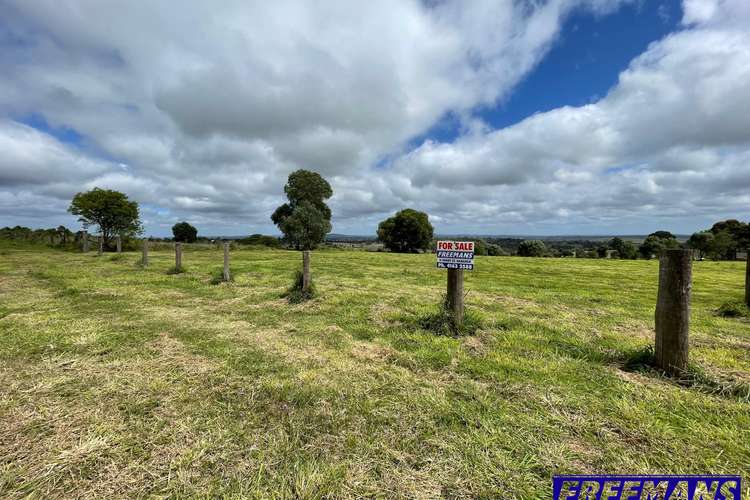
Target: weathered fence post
<point x="144" y="257"/>
<point x="305" y="270"/>
<point x="455" y="295"/>
<point x="178" y="256"/>
<point x="101" y="245"/>
<point x="119" y="244"/>
<point x="747" y="279"/>
<point x="227" y="276"/>
<point x="673" y="311"/>
<point x="85" y="241"/>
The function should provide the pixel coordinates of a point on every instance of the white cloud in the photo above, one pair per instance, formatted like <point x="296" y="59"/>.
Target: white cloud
<point x="669" y="140"/>
<point x="210" y="108"/>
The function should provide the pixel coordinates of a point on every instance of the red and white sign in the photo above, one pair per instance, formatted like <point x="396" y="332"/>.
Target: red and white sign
<point x="455" y="255"/>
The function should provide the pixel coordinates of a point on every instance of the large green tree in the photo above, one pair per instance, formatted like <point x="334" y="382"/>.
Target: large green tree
<point x="305" y="219"/>
<point x="407" y="231"/>
<point x="184" y="232"/>
<point x="110" y="211"/>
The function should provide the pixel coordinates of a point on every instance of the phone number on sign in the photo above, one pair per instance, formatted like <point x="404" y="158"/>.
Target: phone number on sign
<point x="450" y="265"/>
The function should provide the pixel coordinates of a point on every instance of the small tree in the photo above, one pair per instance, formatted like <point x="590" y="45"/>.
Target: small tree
<point x="532" y="248"/>
<point x="406" y="232"/>
<point x="305" y="219"/>
<point x="184" y="232"/>
<point x="111" y="211"/>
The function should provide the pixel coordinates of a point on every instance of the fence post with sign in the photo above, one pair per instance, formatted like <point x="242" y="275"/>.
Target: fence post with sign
<point x="455" y="256"/>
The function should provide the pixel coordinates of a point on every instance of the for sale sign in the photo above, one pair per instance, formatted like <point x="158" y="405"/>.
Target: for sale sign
<point x="455" y="255"/>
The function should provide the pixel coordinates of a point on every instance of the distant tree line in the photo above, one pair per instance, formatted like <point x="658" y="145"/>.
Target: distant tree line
<point x="305" y="220"/>
<point x="59" y="237"/>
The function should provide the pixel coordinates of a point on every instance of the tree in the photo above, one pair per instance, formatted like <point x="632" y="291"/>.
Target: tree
<point x="723" y="246"/>
<point x="733" y="235"/>
<point x="305" y="219"/>
<point x="624" y="249"/>
<point x="406" y="232"/>
<point x="532" y="248"/>
<point x="306" y="227"/>
<point x="702" y="242"/>
<point x="663" y="235"/>
<point x="655" y="243"/>
<point x="111" y="211"/>
<point x="184" y="232"/>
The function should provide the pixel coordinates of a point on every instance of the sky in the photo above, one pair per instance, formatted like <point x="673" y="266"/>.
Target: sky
<point x="506" y="117"/>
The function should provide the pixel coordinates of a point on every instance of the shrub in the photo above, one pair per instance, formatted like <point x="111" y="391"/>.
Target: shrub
<point x="532" y="248"/>
<point x="295" y="294"/>
<point x="260" y="240"/>
<point x="442" y="322"/>
<point x="218" y="276"/>
<point x="736" y="309"/>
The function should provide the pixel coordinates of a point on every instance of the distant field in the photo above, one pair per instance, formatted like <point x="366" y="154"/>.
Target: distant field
<point x="115" y="380"/>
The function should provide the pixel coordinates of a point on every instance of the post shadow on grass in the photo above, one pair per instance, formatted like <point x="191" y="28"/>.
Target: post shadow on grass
<point x="643" y="360"/>
<point x="302" y="288"/>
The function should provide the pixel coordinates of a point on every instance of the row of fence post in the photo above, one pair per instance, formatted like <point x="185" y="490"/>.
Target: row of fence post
<point x="672" y="313"/>
<point x="100" y="250"/>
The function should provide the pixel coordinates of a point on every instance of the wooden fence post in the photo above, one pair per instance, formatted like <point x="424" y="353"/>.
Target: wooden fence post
<point x="101" y="245"/>
<point x="455" y="296"/>
<point x="673" y="311"/>
<point x="144" y="258"/>
<point x="119" y="244"/>
<point x="747" y="278"/>
<point x="178" y="256"/>
<point x="227" y="276"/>
<point x="85" y="241"/>
<point x="305" y="270"/>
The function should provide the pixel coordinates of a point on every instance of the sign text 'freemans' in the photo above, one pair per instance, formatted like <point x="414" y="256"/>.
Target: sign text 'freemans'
<point x="455" y="255"/>
<point x="646" y="487"/>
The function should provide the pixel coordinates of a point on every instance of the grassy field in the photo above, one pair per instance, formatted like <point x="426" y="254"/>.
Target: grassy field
<point x="122" y="381"/>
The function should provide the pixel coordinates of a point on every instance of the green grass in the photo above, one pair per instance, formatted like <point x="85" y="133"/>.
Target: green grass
<point x="117" y="380"/>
